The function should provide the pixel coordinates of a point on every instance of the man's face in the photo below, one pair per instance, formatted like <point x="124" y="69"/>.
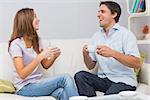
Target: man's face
<point x="105" y="17"/>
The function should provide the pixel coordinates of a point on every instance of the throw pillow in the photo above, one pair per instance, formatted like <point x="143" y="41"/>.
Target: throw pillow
<point x="6" y="87"/>
<point x="137" y="71"/>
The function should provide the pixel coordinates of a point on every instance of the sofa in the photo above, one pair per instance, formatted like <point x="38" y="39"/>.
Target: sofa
<point x="70" y="61"/>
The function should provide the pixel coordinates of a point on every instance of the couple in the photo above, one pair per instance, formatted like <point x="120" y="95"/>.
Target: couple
<point x="116" y="61"/>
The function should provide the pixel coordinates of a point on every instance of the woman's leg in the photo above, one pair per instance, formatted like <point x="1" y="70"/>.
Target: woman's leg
<point x="63" y="85"/>
<point x="68" y="83"/>
<point x="60" y="94"/>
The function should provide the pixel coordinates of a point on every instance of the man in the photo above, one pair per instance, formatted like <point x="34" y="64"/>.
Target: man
<point x="116" y="54"/>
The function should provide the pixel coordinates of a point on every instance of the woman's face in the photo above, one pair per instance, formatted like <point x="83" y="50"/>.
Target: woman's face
<point x="36" y="22"/>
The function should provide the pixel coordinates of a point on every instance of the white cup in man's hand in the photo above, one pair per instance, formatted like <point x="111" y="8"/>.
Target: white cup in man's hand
<point x="91" y="48"/>
<point x="78" y="98"/>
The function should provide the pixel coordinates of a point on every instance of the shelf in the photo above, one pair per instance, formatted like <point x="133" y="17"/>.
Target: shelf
<point x="133" y="7"/>
<point x="143" y="42"/>
<point x="136" y="25"/>
<point x="146" y="64"/>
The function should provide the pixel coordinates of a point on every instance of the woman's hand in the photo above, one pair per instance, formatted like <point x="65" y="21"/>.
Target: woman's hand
<point x="50" y="54"/>
<point x="45" y="53"/>
<point x="55" y="52"/>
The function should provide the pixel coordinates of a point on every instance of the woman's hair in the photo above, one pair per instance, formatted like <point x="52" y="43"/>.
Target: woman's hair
<point x="23" y="26"/>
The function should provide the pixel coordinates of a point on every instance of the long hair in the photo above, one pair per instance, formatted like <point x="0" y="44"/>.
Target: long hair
<point x="22" y="26"/>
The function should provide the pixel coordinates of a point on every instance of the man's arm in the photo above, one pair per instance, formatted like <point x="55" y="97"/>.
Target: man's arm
<point x="128" y="60"/>
<point x="87" y="59"/>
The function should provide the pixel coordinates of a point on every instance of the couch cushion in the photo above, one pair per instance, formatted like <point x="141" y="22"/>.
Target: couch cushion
<point x="6" y="87"/>
<point x="142" y="88"/>
<point x="5" y="96"/>
<point x="144" y="74"/>
<point x="71" y="60"/>
<point x="142" y="59"/>
<point x="6" y="65"/>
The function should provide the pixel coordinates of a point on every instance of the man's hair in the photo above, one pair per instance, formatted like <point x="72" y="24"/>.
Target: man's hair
<point x="113" y="7"/>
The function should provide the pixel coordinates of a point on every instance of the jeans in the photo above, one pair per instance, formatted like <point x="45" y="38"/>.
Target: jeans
<point x="88" y="84"/>
<point x="61" y="87"/>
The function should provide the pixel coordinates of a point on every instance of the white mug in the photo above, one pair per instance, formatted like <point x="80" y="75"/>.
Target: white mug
<point x="50" y="48"/>
<point x="91" y="48"/>
<point x="78" y="98"/>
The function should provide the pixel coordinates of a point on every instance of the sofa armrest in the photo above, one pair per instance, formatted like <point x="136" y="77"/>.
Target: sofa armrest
<point x="145" y="74"/>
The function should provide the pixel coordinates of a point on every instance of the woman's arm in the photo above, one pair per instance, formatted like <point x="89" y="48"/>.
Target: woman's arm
<point x="23" y="70"/>
<point x="26" y="70"/>
<point x="48" y="62"/>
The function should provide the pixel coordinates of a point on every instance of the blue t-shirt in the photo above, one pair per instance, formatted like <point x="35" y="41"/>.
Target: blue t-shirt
<point x="123" y="41"/>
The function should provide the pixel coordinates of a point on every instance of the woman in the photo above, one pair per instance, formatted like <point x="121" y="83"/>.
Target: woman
<point x="27" y="54"/>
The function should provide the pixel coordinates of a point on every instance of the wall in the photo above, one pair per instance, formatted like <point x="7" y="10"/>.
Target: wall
<point x="59" y="19"/>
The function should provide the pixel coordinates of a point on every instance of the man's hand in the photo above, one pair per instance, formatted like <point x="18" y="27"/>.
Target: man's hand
<point x="85" y="50"/>
<point x="87" y="59"/>
<point x="104" y="51"/>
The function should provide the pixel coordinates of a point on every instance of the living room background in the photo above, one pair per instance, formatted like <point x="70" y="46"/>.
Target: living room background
<point x="59" y="19"/>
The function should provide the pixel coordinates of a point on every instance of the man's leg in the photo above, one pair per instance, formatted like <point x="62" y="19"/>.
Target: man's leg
<point x="88" y="83"/>
<point x="115" y="88"/>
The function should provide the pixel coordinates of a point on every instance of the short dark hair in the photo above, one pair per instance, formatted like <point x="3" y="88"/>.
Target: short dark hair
<point x="113" y="7"/>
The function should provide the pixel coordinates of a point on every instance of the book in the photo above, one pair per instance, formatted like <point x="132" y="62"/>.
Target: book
<point x="139" y="9"/>
<point x="132" y="7"/>
<point x="141" y="6"/>
<point x="136" y="6"/>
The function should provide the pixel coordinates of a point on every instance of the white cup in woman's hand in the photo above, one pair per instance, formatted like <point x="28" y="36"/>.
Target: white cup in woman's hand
<point x="50" y="53"/>
<point x="54" y="51"/>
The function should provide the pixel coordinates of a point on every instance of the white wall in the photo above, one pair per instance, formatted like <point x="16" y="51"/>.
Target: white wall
<point x="59" y="19"/>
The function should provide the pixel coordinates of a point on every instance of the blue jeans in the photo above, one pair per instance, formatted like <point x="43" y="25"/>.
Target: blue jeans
<point x="61" y="87"/>
<point x="88" y="84"/>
